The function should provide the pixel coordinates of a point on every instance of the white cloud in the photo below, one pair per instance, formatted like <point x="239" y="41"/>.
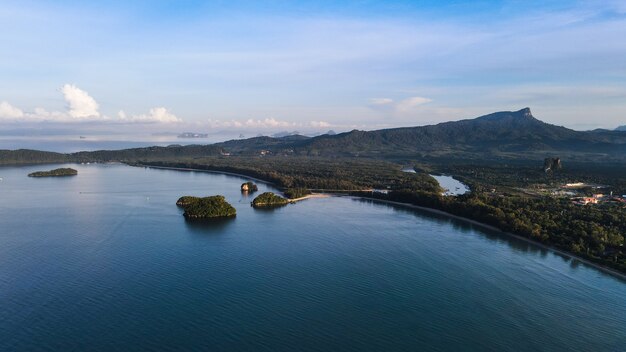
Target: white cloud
<point x="269" y="122"/>
<point x="411" y="103"/>
<point x="265" y="124"/>
<point x="381" y="101"/>
<point x="9" y="112"/>
<point x="155" y="115"/>
<point x="251" y="123"/>
<point x="41" y="114"/>
<point x="81" y="107"/>
<point x="321" y="124"/>
<point x="402" y="106"/>
<point x="80" y="104"/>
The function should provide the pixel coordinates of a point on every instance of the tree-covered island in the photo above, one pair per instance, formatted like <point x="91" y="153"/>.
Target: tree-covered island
<point x="269" y="199"/>
<point x="249" y="187"/>
<point x="212" y="207"/>
<point x="66" y="171"/>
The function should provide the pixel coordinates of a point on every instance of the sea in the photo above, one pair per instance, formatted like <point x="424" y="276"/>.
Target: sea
<point x="105" y="261"/>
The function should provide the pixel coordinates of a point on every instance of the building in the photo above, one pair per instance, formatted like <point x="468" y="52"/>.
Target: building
<point x="585" y="200"/>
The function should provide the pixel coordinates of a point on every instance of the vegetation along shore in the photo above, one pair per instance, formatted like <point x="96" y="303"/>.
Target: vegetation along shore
<point x="564" y="190"/>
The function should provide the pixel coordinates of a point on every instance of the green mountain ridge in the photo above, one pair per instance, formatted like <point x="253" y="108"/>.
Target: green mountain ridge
<point x="497" y="134"/>
<point x="506" y="135"/>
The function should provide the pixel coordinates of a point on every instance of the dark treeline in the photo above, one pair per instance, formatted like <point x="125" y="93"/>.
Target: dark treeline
<point x="26" y="156"/>
<point x="293" y="193"/>
<point x="514" y="176"/>
<point x="314" y="173"/>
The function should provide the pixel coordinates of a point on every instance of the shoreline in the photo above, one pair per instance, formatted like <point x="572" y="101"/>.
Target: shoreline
<point x="203" y="170"/>
<point x="603" y="269"/>
<point x="309" y="196"/>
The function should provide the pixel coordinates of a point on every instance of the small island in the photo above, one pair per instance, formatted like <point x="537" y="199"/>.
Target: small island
<point x="54" y="173"/>
<point x="249" y="187"/>
<point x="212" y="207"/>
<point x="269" y="199"/>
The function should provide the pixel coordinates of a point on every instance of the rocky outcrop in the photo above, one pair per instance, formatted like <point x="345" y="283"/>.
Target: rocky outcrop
<point x="551" y="165"/>
<point x="249" y="187"/>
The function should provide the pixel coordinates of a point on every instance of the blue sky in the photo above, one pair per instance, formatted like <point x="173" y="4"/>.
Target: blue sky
<point x="286" y="65"/>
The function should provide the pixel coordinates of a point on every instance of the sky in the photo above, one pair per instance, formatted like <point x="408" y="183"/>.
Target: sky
<point x="260" y="67"/>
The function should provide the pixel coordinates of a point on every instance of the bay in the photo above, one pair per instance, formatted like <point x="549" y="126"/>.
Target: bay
<point x="105" y="261"/>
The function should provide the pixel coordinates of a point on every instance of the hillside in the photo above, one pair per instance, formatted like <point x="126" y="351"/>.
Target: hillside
<point x="504" y="135"/>
<point x="511" y="134"/>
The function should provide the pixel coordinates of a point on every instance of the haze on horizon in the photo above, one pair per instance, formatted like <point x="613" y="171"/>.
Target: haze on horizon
<point x="310" y="66"/>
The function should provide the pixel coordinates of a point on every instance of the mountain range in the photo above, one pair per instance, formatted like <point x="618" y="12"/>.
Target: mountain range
<point x="507" y="135"/>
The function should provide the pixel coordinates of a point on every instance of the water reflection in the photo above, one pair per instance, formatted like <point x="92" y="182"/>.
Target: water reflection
<point x="519" y="245"/>
<point x="209" y="226"/>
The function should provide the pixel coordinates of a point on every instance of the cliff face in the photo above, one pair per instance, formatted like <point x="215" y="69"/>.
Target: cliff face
<point x="551" y="164"/>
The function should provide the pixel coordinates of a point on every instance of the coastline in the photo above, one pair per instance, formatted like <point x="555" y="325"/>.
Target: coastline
<point x="603" y="269"/>
<point x="203" y="170"/>
<point x="587" y="262"/>
<point x="309" y="196"/>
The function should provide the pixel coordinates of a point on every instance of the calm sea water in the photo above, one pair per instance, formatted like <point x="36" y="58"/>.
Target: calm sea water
<point x="105" y="261"/>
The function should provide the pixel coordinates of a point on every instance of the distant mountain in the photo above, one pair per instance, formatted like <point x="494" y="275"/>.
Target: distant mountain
<point x="621" y="128"/>
<point x="285" y="134"/>
<point x="192" y="135"/>
<point x="503" y="135"/>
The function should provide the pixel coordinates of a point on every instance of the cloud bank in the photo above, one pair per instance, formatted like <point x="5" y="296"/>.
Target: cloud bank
<point x="82" y="107"/>
<point x="7" y="111"/>
<point x="155" y="115"/>
<point x="266" y="124"/>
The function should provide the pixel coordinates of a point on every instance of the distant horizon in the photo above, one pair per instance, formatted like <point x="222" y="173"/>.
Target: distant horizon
<point x="174" y="132"/>
<point x="67" y="140"/>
